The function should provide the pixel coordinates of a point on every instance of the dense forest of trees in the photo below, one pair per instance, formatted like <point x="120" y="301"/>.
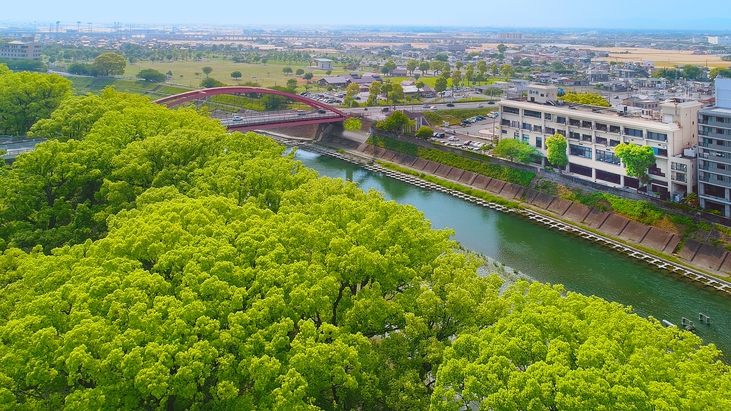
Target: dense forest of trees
<point x="151" y="260"/>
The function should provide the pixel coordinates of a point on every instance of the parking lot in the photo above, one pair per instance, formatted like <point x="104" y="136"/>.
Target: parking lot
<point x="474" y="136"/>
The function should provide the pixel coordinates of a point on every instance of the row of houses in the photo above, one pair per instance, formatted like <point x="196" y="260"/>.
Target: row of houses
<point x="692" y="143"/>
<point x="365" y="80"/>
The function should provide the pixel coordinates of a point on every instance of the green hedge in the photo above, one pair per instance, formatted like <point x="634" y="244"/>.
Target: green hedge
<point x="485" y="168"/>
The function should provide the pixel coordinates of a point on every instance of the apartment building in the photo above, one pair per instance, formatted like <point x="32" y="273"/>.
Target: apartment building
<point x="20" y="50"/>
<point x="593" y="132"/>
<point x="714" y="143"/>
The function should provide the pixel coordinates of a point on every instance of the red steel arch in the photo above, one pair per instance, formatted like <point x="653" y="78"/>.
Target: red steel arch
<point x="176" y="99"/>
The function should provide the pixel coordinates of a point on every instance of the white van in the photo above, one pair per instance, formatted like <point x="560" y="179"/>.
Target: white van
<point x="300" y="112"/>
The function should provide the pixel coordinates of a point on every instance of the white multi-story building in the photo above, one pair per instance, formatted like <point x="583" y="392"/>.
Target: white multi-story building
<point x="593" y="132"/>
<point x="714" y="161"/>
<point x="20" y="50"/>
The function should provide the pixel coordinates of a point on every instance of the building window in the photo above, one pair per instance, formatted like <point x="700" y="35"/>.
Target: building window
<point x="539" y="142"/>
<point x="526" y="126"/>
<point x="601" y="140"/>
<point x="586" y="124"/>
<point x="601" y="127"/>
<point x="579" y="151"/>
<point x="516" y="135"/>
<point x="550" y="130"/>
<point x="561" y="120"/>
<point x="678" y="176"/>
<point x="531" y="113"/>
<point x="547" y="116"/>
<point x="678" y="167"/>
<point x="614" y="129"/>
<point x="526" y="138"/>
<point x="511" y="110"/>
<point x="657" y="136"/>
<point x="632" y="132"/>
<point x="586" y="137"/>
<point x="573" y="122"/>
<point x="607" y="157"/>
<point x="574" y="135"/>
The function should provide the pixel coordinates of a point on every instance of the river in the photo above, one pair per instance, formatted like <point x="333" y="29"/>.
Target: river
<point x="549" y="256"/>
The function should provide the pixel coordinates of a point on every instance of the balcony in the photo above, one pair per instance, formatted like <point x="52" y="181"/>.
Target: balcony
<point x="710" y="121"/>
<point x="575" y="123"/>
<point x="654" y="171"/>
<point x="538" y="128"/>
<point x="505" y="123"/>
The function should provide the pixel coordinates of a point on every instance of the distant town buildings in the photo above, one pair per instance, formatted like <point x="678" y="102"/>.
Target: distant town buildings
<point x="719" y="40"/>
<point x="324" y="64"/>
<point x="509" y="36"/>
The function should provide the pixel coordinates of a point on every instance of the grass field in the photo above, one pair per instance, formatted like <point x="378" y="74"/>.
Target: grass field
<point x="266" y="75"/>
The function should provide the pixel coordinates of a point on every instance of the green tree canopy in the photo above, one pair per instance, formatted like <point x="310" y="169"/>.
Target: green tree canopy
<point x="424" y="132"/>
<point x="585" y="98"/>
<point x="110" y="64"/>
<point x="236" y="74"/>
<point x="637" y="159"/>
<point x="396" y="122"/>
<point x="556" y="150"/>
<point x="209" y="82"/>
<point x="151" y="75"/>
<point x="397" y="93"/>
<point x="207" y="70"/>
<point x="424" y="67"/>
<point x="26" y="98"/>
<point x="515" y="150"/>
<point x="411" y="65"/>
<point x="440" y="85"/>
<point x="299" y="72"/>
<point x="287" y="71"/>
<point x="506" y="70"/>
<point x="292" y="84"/>
<point x="352" y="124"/>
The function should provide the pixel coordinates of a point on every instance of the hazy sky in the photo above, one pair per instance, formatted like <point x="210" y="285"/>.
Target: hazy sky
<point x="668" y="14"/>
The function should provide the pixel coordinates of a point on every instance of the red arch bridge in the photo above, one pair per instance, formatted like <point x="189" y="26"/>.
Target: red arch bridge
<point x="252" y="120"/>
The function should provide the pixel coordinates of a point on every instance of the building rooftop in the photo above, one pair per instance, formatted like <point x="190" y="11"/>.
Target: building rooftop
<point x="600" y="112"/>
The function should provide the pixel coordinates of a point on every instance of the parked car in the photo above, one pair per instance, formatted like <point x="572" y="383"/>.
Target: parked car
<point x="322" y="111"/>
<point x="450" y="131"/>
<point x="490" y="102"/>
<point x="385" y="109"/>
<point x="300" y="112"/>
<point x="480" y="106"/>
<point x="438" y="135"/>
<point x="425" y="106"/>
<point x="450" y="104"/>
<point x="237" y="118"/>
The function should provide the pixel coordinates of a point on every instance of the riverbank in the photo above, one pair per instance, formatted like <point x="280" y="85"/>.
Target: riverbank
<point x="544" y="211"/>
